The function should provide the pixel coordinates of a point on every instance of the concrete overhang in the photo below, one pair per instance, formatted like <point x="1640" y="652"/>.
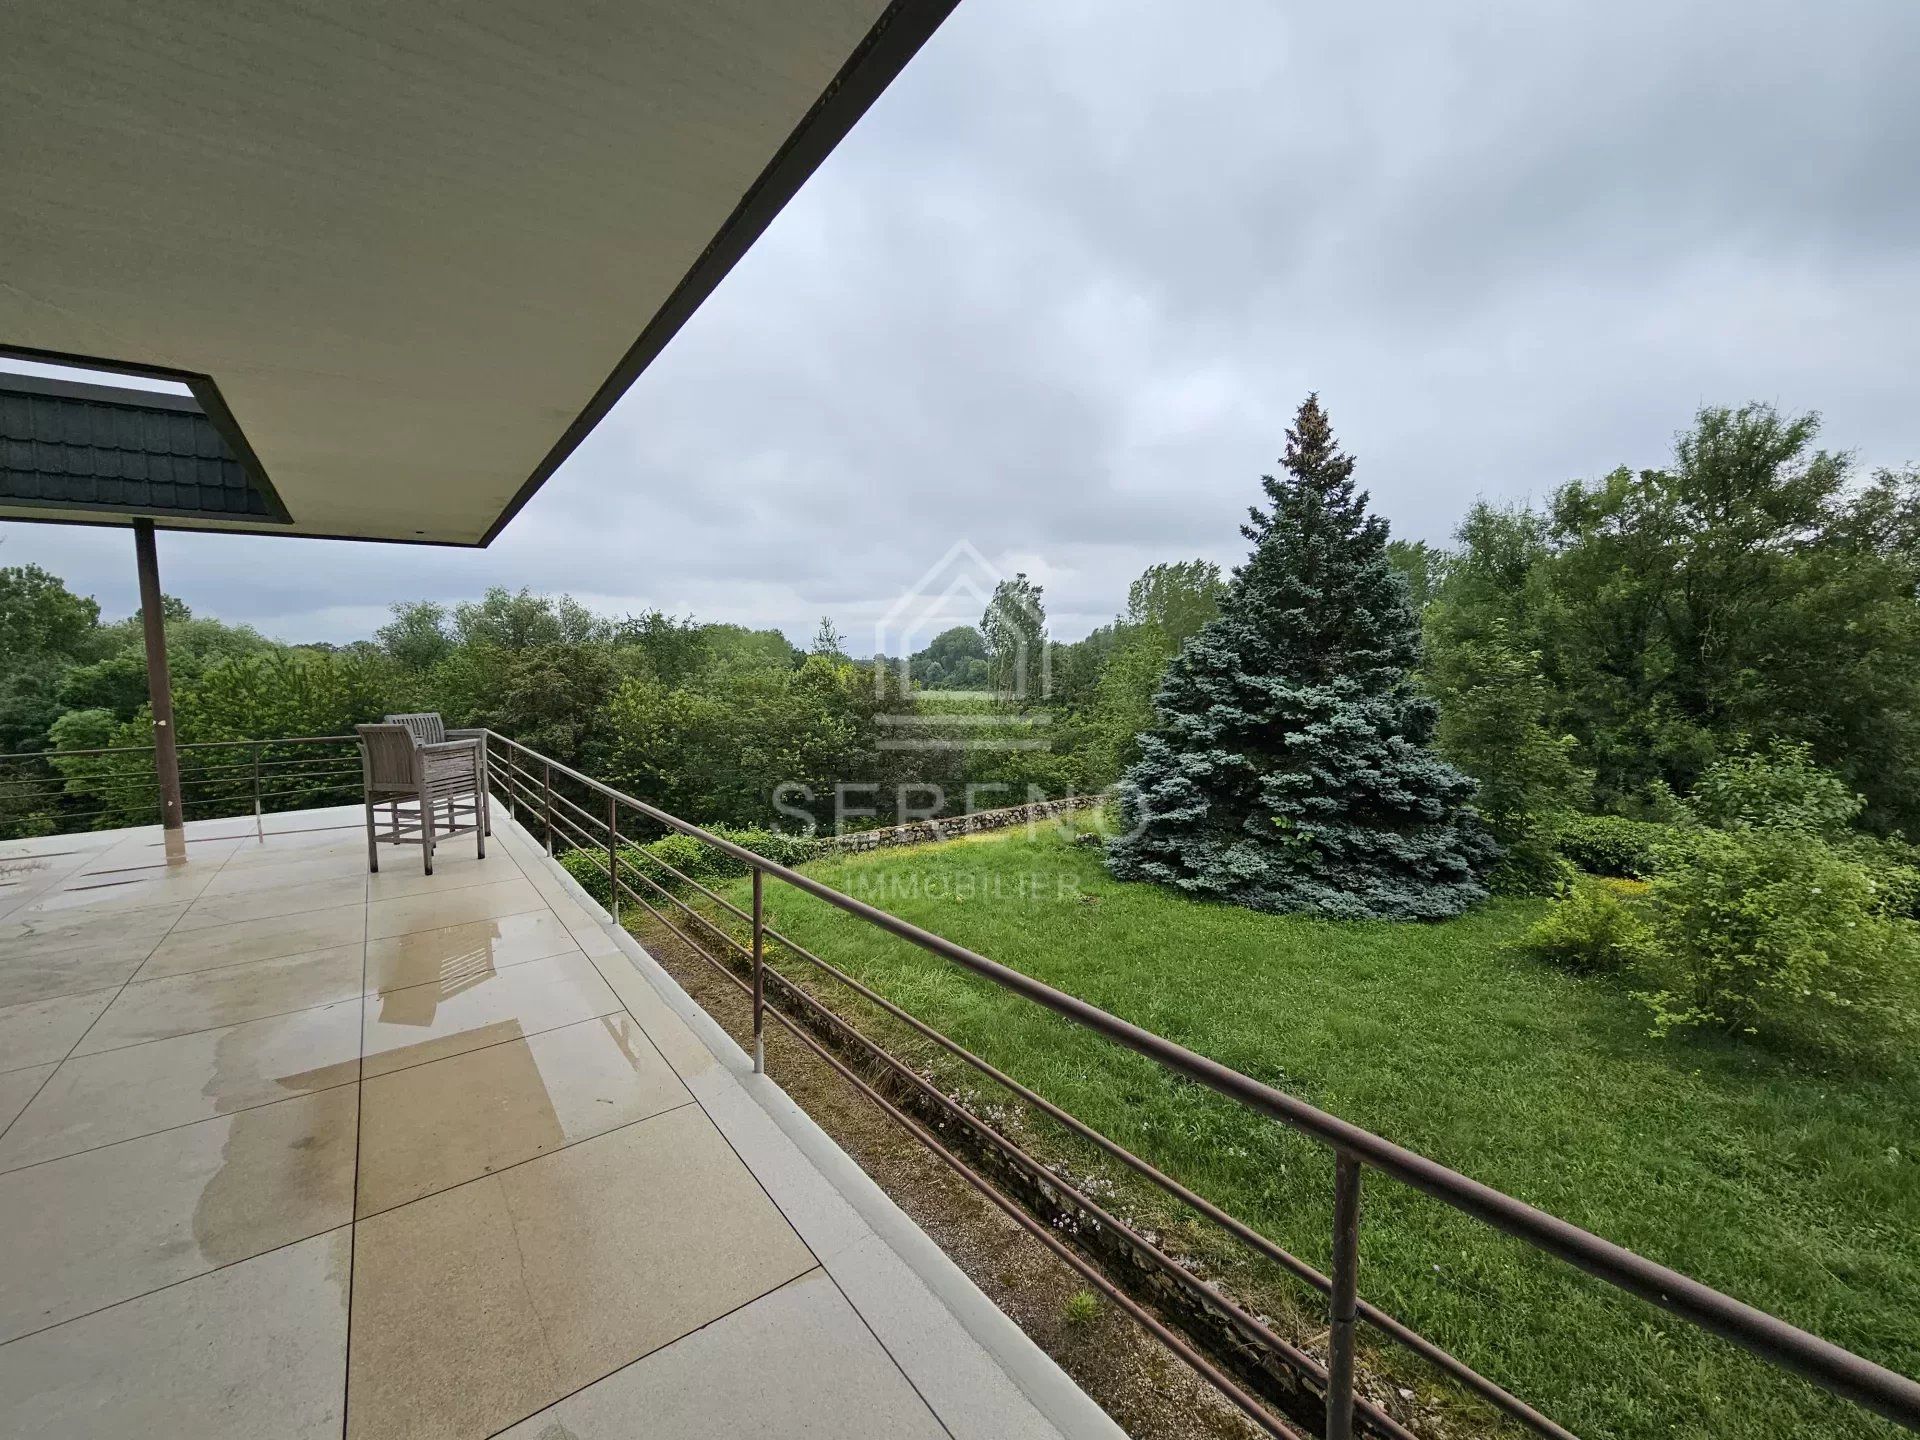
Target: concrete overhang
<point x="405" y="256"/>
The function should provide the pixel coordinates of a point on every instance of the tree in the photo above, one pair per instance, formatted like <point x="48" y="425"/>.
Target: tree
<point x="38" y="614"/>
<point x="828" y="641"/>
<point x="518" y="621"/>
<point x="1422" y="566"/>
<point x="1748" y="592"/>
<point x="1014" y="628"/>
<point x="44" y="629"/>
<point x="666" y="647"/>
<point x="1494" y="724"/>
<point x="1498" y="712"/>
<point x="1175" y="599"/>
<point x="1288" y="768"/>
<point x="955" y="659"/>
<point x="417" y="636"/>
<point x="1166" y="607"/>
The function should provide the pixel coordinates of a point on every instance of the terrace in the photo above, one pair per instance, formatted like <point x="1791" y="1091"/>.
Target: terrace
<point x="294" y="1149"/>
<point x="292" y="1146"/>
<point x="452" y="1154"/>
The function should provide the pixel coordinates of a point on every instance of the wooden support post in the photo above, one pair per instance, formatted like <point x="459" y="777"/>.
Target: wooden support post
<point x="166" y="758"/>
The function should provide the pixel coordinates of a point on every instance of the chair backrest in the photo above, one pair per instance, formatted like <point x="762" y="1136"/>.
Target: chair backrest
<point x="424" y="726"/>
<point x="390" y="756"/>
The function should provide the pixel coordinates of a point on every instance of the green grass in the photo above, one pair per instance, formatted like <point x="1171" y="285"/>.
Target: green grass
<point x="1795" y="1190"/>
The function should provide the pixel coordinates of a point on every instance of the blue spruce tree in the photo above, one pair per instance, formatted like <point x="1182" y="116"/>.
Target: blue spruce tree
<point x="1288" y="767"/>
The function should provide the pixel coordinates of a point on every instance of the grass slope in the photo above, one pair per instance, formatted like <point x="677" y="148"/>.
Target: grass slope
<point x="1794" y="1190"/>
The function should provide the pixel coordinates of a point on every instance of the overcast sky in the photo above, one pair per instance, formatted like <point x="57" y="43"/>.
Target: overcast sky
<point x="1059" y="292"/>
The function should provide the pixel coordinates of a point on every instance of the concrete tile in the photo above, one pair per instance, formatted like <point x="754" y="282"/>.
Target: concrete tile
<point x="262" y="904"/>
<point x="208" y="999"/>
<point x="476" y="1307"/>
<point x="436" y="910"/>
<point x="287" y="869"/>
<point x="94" y="1229"/>
<point x="431" y="1022"/>
<point x="685" y="1051"/>
<point x="102" y="1099"/>
<point x="796" y="1362"/>
<point x="25" y="878"/>
<point x="455" y="954"/>
<point x="17" y="1087"/>
<point x="455" y="868"/>
<point x="348" y="816"/>
<point x="71" y="955"/>
<point x="182" y="953"/>
<point x="974" y="1398"/>
<point x="113" y="893"/>
<point x="256" y="1349"/>
<point x="132" y="856"/>
<point x="26" y="978"/>
<point x="812" y="1204"/>
<point x="329" y="850"/>
<point x="45" y="846"/>
<point x="433" y="1126"/>
<point x="45" y="1030"/>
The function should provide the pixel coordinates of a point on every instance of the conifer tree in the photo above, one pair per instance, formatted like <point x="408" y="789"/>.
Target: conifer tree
<point x="1288" y="767"/>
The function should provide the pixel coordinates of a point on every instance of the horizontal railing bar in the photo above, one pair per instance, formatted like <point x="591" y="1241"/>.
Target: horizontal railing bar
<point x="1852" y="1376"/>
<point x="1294" y="1357"/>
<point x="1246" y="1403"/>
<point x="1381" y="1320"/>
<point x="193" y="745"/>
<point x="1486" y="1388"/>
<point x="687" y="879"/>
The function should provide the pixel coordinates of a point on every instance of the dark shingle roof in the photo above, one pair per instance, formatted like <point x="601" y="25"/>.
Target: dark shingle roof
<point x="68" y="445"/>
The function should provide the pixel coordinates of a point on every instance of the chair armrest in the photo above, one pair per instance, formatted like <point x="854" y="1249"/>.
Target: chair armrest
<point x="447" y="747"/>
<point x="480" y="735"/>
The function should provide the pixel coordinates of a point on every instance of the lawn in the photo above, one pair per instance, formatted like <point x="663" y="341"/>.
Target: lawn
<point x="1793" y="1189"/>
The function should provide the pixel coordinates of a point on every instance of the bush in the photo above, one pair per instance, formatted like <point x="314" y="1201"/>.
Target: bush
<point x="1615" y="845"/>
<point x="1591" y="932"/>
<point x="1532" y="865"/>
<point x="1894" y="866"/>
<point x="1779" y="788"/>
<point x="589" y="867"/>
<point x="692" y="857"/>
<point x="1769" y="931"/>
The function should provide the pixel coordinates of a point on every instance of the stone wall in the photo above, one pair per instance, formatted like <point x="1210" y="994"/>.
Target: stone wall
<point x="925" y="832"/>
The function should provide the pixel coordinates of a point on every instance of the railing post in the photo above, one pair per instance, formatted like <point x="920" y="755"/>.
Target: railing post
<point x="1344" y="1300"/>
<point x="258" y="828"/>
<point x="613" y="857"/>
<point x="547" y="784"/>
<point x="759" y="979"/>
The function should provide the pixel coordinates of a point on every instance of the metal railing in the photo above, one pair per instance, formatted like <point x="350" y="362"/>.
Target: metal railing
<point x="59" y="791"/>
<point x="589" y="819"/>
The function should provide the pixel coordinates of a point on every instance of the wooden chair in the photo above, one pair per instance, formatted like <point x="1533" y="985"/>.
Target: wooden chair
<point x="427" y="729"/>
<point x="432" y="792"/>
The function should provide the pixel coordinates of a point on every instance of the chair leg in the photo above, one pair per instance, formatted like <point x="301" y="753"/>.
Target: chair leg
<point x="426" y="830"/>
<point x="373" y="847"/>
<point x="480" y="822"/>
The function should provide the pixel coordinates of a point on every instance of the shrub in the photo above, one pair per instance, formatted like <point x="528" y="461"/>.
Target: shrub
<point x="1532" y="865"/>
<point x="1894" y="866"/>
<point x="1769" y="931"/>
<point x="1779" y="788"/>
<point x="589" y="867"/>
<point x="700" y="861"/>
<point x="1592" y="931"/>
<point x="1615" y="845"/>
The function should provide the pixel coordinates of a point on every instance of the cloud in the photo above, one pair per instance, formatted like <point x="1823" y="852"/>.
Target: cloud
<point x="1059" y="292"/>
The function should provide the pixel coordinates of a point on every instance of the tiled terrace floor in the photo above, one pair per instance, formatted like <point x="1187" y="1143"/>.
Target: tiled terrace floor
<point x="292" y="1150"/>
